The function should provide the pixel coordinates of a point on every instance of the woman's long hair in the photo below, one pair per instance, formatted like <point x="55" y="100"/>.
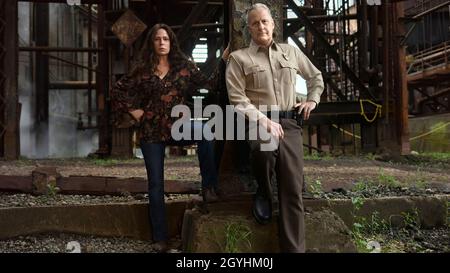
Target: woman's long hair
<point x="147" y="58"/>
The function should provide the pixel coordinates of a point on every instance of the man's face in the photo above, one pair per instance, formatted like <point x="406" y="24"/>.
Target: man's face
<point x="261" y="25"/>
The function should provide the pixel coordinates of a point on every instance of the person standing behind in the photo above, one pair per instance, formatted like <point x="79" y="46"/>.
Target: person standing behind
<point x="264" y="74"/>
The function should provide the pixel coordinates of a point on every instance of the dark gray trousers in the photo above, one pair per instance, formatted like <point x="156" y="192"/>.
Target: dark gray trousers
<point x="287" y="163"/>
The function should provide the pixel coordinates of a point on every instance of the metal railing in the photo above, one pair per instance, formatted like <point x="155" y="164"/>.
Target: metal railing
<point x="431" y="58"/>
<point x="422" y="5"/>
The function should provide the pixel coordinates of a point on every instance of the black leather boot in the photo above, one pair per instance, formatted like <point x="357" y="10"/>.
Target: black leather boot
<point x="262" y="209"/>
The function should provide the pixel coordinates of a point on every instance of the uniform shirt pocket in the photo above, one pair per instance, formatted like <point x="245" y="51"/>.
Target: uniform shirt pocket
<point x="288" y="72"/>
<point x="254" y="76"/>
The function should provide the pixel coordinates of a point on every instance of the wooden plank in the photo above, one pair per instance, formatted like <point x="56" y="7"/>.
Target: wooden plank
<point x="114" y="185"/>
<point x="15" y="183"/>
<point x="180" y="186"/>
<point x="130" y="185"/>
<point x="82" y="184"/>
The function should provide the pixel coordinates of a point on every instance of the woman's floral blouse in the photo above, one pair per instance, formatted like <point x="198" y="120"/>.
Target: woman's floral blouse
<point x="157" y="97"/>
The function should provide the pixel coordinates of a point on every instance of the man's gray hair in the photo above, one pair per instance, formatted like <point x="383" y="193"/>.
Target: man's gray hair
<point x="257" y="6"/>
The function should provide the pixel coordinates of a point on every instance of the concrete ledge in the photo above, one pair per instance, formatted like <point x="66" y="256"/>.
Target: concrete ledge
<point x="324" y="221"/>
<point x="121" y="220"/>
<point x="432" y="210"/>
<point x="131" y="219"/>
<point x="223" y="231"/>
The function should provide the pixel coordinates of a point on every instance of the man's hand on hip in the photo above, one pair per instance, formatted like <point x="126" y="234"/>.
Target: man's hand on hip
<point x="306" y="107"/>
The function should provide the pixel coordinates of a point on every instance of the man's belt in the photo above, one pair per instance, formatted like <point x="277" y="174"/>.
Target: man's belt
<point x="292" y="114"/>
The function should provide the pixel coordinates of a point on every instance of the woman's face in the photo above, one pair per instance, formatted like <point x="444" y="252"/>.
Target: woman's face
<point x="161" y="43"/>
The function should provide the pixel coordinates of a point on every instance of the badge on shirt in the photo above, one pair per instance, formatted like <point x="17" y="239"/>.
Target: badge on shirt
<point x="285" y="56"/>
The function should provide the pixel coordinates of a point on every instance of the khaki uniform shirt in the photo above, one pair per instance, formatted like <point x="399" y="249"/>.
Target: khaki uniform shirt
<point x="257" y="76"/>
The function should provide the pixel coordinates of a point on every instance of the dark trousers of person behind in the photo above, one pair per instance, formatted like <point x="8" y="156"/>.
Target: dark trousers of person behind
<point x="154" y="164"/>
<point x="287" y="162"/>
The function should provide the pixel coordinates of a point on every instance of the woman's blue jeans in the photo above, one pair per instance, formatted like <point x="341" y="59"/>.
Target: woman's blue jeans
<point x="154" y="163"/>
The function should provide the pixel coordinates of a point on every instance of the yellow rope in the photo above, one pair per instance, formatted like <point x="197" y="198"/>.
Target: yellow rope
<point x="377" y="111"/>
<point x="346" y="132"/>
<point x="430" y="132"/>
<point x="411" y="139"/>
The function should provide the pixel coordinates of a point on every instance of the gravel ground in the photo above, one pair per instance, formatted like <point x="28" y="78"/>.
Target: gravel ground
<point x="397" y="241"/>
<point x="28" y="200"/>
<point x="62" y="243"/>
<point x="370" y="190"/>
<point x="344" y="172"/>
<point x="417" y="241"/>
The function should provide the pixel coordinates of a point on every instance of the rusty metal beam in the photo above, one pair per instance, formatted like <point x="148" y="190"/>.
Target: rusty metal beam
<point x="211" y="3"/>
<point x="289" y="31"/>
<point x="89" y="89"/>
<point x="401" y="83"/>
<point x="69" y="85"/>
<point x="318" y="18"/>
<point x="362" y="39"/>
<point x="329" y="49"/>
<point x="41" y="36"/>
<point x="335" y="107"/>
<point x="195" y="34"/>
<point x="62" y="1"/>
<point x="386" y="59"/>
<point x="59" y="49"/>
<point x="415" y="19"/>
<point x="9" y="105"/>
<point x="342" y="112"/>
<point x="422" y="14"/>
<point x="374" y="61"/>
<point x="101" y="78"/>
<point x="72" y="63"/>
<point x="3" y="77"/>
<point x="184" y="31"/>
<point x="212" y="34"/>
<point x="433" y="97"/>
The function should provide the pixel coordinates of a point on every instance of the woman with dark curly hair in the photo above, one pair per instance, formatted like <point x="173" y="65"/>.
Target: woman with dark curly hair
<point x="162" y="79"/>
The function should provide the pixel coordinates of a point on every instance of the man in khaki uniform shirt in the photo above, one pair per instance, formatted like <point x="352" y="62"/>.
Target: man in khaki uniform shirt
<point x="264" y="74"/>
